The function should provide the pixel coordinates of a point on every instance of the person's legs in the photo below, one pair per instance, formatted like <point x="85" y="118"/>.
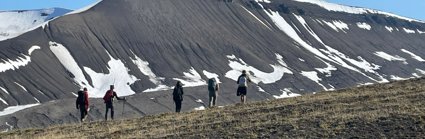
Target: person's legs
<point x="210" y="102"/>
<point x="112" y="111"/>
<point x="214" y="99"/>
<point x="178" y="106"/>
<point x="106" y="113"/>
<point x="82" y="112"/>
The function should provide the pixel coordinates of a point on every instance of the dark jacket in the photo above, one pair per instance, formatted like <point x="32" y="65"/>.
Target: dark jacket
<point x="178" y="92"/>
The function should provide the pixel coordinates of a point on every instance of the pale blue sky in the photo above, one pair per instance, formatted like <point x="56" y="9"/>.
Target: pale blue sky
<point x="409" y="8"/>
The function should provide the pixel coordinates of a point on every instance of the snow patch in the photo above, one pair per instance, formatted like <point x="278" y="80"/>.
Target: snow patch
<point x="390" y="29"/>
<point x="256" y="17"/>
<point x="210" y="75"/>
<point x="23" y="88"/>
<point x="421" y="71"/>
<point x="414" y="56"/>
<point x="353" y="10"/>
<point x="4" y="101"/>
<point x="261" y="89"/>
<point x="21" y="61"/>
<point x="312" y="75"/>
<point x="300" y="59"/>
<point x="393" y="77"/>
<point x="199" y="108"/>
<point x="337" y="25"/>
<point x="364" y="26"/>
<point x="390" y="57"/>
<point x="15" y="23"/>
<point x="4" y="90"/>
<point x="146" y="70"/>
<point x="199" y="101"/>
<point x="191" y="78"/>
<point x="258" y="76"/>
<point x="118" y="76"/>
<point x="13" y="109"/>
<point x="286" y="93"/>
<point x="420" y="32"/>
<point x="409" y="31"/>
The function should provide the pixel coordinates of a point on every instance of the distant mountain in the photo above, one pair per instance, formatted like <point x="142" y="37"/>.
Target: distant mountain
<point x="289" y="47"/>
<point x="14" y="23"/>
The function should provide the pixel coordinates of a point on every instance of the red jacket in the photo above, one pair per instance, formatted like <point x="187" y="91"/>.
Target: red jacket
<point x="86" y="99"/>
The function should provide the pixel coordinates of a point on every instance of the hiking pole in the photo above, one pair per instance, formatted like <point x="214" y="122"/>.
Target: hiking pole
<point x="123" y="106"/>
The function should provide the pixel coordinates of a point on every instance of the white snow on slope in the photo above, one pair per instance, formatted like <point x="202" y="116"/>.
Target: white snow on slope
<point x="255" y="17"/>
<point x="4" y="90"/>
<point x="13" y="109"/>
<point x="364" y="26"/>
<point x="389" y="57"/>
<point x="23" y="60"/>
<point x="312" y="75"/>
<point x="353" y="10"/>
<point x="286" y="93"/>
<point x="199" y="108"/>
<point x="390" y="29"/>
<point x="146" y="70"/>
<point x="414" y="56"/>
<point x="340" y="58"/>
<point x="238" y="65"/>
<point x="191" y="79"/>
<point x="67" y="60"/>
<point x="15" y="23"/>
<point x="420" y="32"/>
<point x="118" y="74"/>
<point x="393" y="77"/>
<point x="84" y="8"/>
<point x="409" y="31"/>
<point x="337" y="25"/>
<point x="23" y="88"/>
<point x="4" y="101"/>
<point x="421" y="71"/>
<point x="212" y="75"/>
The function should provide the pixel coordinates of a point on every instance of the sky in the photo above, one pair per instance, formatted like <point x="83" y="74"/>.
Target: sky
<point x="6" y="5"/>
<point x="409" y="8"/>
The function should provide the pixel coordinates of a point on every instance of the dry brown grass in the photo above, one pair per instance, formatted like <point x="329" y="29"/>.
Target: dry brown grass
<point x="392" y="110"/>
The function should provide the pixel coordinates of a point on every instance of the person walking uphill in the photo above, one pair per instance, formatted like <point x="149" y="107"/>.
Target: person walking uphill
<point x="213" y="91"/>
<point x="178" y="96"/>
<point x="82" y="103"/>
<point x="108" y="99"/>
<point x="242" y="86"/>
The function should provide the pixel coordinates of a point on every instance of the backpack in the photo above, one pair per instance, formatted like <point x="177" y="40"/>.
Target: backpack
<point x="108" y="96"/>
<point x="177" y="95"/>
<point x="242" y="81"/>
<point x="212" y="85"/>
<point x="80" y="98"/>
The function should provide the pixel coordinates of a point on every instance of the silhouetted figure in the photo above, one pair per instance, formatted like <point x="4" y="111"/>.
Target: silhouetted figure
<point x="213" y="88"/>
<point x="108" y="99"/>
<point x="242" y="86"/>
<point x="82" y="103"/>
<point x="178" y="96"/>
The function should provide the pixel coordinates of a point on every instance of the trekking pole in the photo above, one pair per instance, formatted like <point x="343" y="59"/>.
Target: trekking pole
<point x="123" y="106"/>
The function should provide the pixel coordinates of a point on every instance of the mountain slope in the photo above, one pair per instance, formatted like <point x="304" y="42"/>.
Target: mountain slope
<point x="392" y="110"/>
<point x="15" y="23"/>
<point x="145" y="46"/>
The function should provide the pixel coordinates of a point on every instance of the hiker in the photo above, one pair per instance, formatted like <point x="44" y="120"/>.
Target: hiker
<point x="178" y="96"/>
<point x="213" y="91"/>
<point x="108" y="99"/>
<point x="82" y="103"/>
<point x="242" y="86"/>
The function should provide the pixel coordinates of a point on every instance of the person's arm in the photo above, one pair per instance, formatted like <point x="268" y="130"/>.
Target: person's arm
<point x="76" y="103"/>
<point x="237" y="82"/>
<point x="217" y="87"/>
<point x="119" y="98"/>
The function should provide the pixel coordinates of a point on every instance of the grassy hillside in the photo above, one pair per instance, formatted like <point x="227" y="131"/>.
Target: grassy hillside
<point x="386" y="110"/>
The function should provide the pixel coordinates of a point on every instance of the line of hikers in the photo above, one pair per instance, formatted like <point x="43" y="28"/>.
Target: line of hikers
<point x="213" y="88"/>
<point x="82" y="102"/>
